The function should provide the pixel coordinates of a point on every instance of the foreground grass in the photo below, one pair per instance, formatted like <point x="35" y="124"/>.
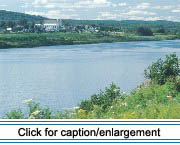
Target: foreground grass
<point x="150" y="101"/>
<point x="48" y="39"/>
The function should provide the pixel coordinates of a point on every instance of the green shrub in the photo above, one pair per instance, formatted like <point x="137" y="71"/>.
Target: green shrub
<point x="177" y="83"/>
<point x="150" y="101"/>
<point x="35" y="111"/>
<point x="15" y="115"/>
<point x="103" y="99"/>
<point x="86" y="105"/>
<point x="163" y="70"/>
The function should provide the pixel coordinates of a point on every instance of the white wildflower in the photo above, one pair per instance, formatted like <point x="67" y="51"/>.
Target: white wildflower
<point x="116" y="90"/>
<point x="76" y="108"/>
<point x="124" y="93"/>
<point x="124" y="104"/>
<point x="31" y="117"/>
<point x="27" y="101"/>
<point x="36" y="112"/>
<point x="169" y="97"/>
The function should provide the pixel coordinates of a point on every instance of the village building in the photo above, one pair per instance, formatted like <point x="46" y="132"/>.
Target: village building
<point x="51" y="25"/>
<point x="9" y="29"/>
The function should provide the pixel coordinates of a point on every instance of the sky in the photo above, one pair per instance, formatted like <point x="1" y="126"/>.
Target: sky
<point x="97" y="9"/>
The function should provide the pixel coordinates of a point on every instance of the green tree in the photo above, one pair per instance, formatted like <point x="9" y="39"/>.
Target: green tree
<point x="163" y="70"/>
<point x="161" y="30"/>
<point x="144" y="31"/>
<point x="23" y="22"/>
<point x="11" y="24"/>
<point x="3" y="24"/>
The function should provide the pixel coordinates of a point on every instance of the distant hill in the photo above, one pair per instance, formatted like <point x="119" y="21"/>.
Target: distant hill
<point x="118" y="23"/>
<point x="16" y="16"/>
<point x="92" y="22"/>
<point x="129" y="25"/>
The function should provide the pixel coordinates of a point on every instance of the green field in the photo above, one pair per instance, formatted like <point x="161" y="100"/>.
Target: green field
<point x="27" y="40"/>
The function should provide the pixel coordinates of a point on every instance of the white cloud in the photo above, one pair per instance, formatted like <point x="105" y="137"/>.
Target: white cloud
<point x="175" y="11"/>
<point x="143" y="6"/>
<point x="104" y="9"/>
<point x="169" y="18"/>
<point x="139" y="12"/>
<point x="53" y="14"/>
<point x="122" y="4"/>
<point x="37" y="2"/>
<point x="35" y="13"/>
<point x="156" y="7"/>
<point x="3" y="5"/>
<point x="100" y="1"/>
<point x="108" y="15"/>
<point x="163" y="7"/>
<point x="167" y="7"/>
<point x="51" y="4"/>
<point x="26" y="5"/>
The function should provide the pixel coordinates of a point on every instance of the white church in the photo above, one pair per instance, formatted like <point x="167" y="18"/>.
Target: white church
<point x="51" y="25"/>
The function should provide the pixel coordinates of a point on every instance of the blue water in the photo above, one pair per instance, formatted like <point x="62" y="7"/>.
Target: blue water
<point x="61" y="76"/>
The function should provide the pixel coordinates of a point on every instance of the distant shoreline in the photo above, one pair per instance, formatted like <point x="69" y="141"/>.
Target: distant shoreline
<point x="31" y="40"/>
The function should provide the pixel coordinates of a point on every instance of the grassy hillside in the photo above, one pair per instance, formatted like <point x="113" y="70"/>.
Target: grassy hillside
<point x="15" y="16"/>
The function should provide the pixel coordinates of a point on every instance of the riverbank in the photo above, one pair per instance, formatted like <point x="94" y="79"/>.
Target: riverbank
<point x="148" y="101"/>
<point x="28" y="40"/>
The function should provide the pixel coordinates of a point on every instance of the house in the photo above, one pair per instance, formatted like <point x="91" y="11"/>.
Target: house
<point x="89" y="28"/>
<point x="8" y="29"/>
<point x="119" y="33"/>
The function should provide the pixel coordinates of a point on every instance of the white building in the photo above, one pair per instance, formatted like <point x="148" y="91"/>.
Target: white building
<point x="9" y="29"/>
<point x="52" y="25"/>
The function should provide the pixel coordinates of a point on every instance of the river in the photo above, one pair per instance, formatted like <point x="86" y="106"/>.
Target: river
<point x="61" y="76"/>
